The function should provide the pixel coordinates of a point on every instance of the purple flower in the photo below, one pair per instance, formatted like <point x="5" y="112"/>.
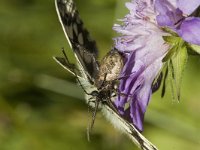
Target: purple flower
<point x="176" y="14"/>
<point x="144" y="48"/>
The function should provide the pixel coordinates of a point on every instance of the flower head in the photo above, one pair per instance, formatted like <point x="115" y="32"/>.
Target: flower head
<point x="144" y="48"/>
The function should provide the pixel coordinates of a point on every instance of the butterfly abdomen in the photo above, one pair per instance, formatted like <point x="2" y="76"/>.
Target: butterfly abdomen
<point x="110" y="66"/>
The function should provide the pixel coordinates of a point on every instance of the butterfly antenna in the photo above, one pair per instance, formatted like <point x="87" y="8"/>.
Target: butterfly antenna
<point x="89" y="129"/>
<point x="89" y="110"/>
<point x="94" y="113"/>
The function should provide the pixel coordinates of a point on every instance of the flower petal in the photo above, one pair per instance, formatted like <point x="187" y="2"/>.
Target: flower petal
<point x="163" y="6"/>
<point x="188" y="7"/>
<point x="168" y="14"/>
<point x="190" y="30"/>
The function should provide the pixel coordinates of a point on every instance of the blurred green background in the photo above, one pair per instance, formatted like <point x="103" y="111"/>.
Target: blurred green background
<point x="41" y="107"/>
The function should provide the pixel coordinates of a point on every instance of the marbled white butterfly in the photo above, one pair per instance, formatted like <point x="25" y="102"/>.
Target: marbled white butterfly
<point x="99" y="81"/>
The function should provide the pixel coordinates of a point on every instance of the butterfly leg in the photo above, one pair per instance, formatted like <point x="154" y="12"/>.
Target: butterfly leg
<point x="70" y="65"/>
<point x="64" y="62"/>
<point x="74" y="70"/>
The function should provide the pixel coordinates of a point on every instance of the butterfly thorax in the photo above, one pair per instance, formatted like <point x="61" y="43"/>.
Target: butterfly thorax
<point x="101" y="95"/>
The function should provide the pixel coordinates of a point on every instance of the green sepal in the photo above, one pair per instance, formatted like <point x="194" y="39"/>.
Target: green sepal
<point x="172" y="39"/>
<point x="170" y="31"/>
<point x="175" y="43"/>
<point x="176" y="67"/>
<point x="165" y="73"/>
<point x="193" y="49"/>
<point x="171" y="52"/>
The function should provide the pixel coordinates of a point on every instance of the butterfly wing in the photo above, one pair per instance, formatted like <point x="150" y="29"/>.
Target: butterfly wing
<point x="127" y="128"/>
<point x="78" y="37"/>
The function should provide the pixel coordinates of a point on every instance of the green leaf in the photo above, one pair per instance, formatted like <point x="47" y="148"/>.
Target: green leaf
<point x="193" y="49"/>
<point x="176" y="66"/>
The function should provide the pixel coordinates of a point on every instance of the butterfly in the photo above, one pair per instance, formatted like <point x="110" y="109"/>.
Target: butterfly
<point x="98" y="80"/>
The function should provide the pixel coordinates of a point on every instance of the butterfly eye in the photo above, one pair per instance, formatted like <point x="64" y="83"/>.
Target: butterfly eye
<point x="95" y="93"/>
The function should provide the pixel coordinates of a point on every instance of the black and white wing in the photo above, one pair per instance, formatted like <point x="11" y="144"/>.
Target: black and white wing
<point x="78" y="37"/>
<point x="127" y="128"/>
